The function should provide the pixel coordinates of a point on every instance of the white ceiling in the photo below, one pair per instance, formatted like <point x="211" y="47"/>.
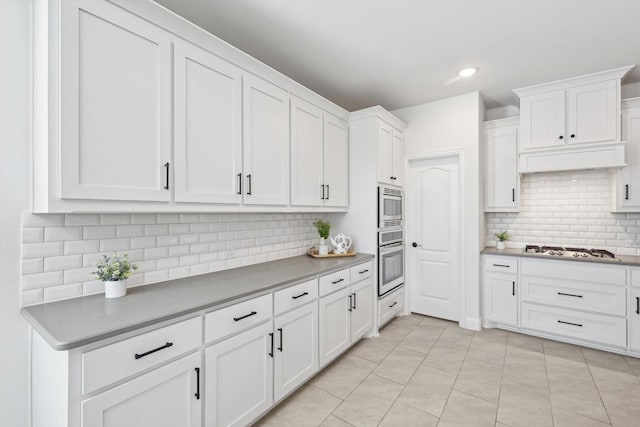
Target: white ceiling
<point x="398" y="53"/>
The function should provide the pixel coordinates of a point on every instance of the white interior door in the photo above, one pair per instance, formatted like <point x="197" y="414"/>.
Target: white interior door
<point x="435" y="227"/>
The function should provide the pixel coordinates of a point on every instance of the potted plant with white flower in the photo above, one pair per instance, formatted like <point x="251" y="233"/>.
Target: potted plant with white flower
<point x="114" y="272"/>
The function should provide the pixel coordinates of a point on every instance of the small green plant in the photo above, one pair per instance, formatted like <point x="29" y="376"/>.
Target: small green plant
<point x="503" y="236"/>
<point x="114" y="268"/>
<point x="323" y="227"/>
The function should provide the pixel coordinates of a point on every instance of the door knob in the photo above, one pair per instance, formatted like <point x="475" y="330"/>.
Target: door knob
<point x="415" y="245"/>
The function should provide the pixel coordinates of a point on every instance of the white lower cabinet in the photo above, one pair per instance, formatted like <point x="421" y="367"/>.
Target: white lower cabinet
<point x="335" y="331"/>
<point x="345" y="316"/>
<point x="296" y="354"/>
<point x="239" y="377"/>
<point x="501" y="300"/>
<point x="362" y="309"/>
<point x="165" y="397"/>
<point x="634" y="319"/>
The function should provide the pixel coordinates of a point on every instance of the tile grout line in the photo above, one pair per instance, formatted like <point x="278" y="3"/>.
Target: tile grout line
<point x="546" y="373"/>
<point x="595" y="383"/>
<point x="504" y="361"/>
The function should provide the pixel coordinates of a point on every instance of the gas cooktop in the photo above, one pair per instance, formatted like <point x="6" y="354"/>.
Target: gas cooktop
<point x="570" y="252"/>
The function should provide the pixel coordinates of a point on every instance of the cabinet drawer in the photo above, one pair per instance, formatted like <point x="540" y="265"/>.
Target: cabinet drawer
<point x="605" y="299"/>
<point x="361" y="271"/>
<point x="597" y="328"/>
<point x="501" y="264"/>
<point x="334" y="281"/>
<point x="295" y="296"/>
<point x="576" y="271"/>
<point x="221" y="323"/>
<point x="391" y="305"/>
<point x="105" y="365"/>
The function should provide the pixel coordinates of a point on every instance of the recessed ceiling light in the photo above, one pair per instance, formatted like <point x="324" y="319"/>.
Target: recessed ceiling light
<point x="467" y="72"/>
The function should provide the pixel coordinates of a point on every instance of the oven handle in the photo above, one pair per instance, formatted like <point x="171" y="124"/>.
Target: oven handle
<point x="389" y="248"/>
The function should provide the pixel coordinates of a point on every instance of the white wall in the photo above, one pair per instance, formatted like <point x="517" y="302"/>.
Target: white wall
<point x="15" y="188"/>
<point x="454" y="124"/>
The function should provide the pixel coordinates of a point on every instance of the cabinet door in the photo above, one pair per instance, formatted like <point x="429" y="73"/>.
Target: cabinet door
<point x="266" y="143"/>
<point x="592" y="113"/>
<point x="502" y="300"/>
<point x="115" y="104"/>
<point x="542" y="120"/>
<point x="362" y="311"/>
<point x="306" y="154"/>
<point x="336" y="161"/>
<point x="634" y="316"/>
<point x="385" y="153"/>
<point x="239" y="378"/>
<point x="628" y="183"/>
<point x="208" y="118"/>
<point x="397" y="156"/>
<point x="335" y="330"/>
<point x="501" y="169"/>
<point x="165" y="397"/>
<point x="296" y="356"/>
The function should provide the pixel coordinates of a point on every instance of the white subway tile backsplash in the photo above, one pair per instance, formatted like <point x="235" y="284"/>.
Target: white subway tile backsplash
<point x="81" y="219"/>
<point x="114" y="245"/>
<point x="59" y="251"/>
<point x="567" y="208"/>
<point x="59" y="263"/>
<point x="32" y="234"/>
<point x="32" y="265"/>
<point x="115" y="219"/>
<point x="73" y="247"/>
<point x="99" y="232"/>
<point x="56" y="293"/>
<point x="39" y="250"/>
<point x="31" y="297"/>
<point x="41" y="280"/>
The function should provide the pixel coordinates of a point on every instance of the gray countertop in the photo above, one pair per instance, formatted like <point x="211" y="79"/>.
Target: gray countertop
<point x="624" y="259"/>
<point x="72" y="323"/>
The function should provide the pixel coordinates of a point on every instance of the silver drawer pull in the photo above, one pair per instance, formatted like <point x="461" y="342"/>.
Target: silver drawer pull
<point x="501" y="265"/>
<point x="337" y="281"/>
<point x="569" y="323"/>
<point x="570" y="295"/>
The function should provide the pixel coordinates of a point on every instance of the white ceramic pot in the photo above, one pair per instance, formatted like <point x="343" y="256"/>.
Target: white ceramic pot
<point x="499" y="245"/>
<point x="323" y="248"/>
<point x="115" y="289"/>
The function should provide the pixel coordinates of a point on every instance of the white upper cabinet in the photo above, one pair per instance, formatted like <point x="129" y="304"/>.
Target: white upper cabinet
<point x="501" y="178"/>
<point x="385" y="153"/>
<point x="625" y="188"/>
<point x="266" y="143"/>
<point x="336" y="161"/>
<point x="115" y="119"/>
<point x="543" y="120"/>
<point x="571" y="124"/>
<point x="593" y="113"/>
<point x="306" y="154"/>
<point x="390" y="154"/>
<point x="397" y="156"/>
<point x="208" y="127"/>
<point x="319" y="157"/>
<point x="136" y="110"/>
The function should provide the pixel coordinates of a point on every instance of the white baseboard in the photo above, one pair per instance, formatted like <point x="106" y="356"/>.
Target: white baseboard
<point x="473" y="323"/>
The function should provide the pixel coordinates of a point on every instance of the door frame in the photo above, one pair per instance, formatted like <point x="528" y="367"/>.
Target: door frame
<point x="458" y="156"/>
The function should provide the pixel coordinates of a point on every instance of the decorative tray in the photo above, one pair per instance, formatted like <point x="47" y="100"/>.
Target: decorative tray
<point x="313" y="251"/>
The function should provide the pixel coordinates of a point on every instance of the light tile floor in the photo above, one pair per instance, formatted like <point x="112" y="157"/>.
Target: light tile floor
<point x="423" y="371"/>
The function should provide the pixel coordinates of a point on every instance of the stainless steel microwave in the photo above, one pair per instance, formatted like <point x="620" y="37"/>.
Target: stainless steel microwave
<point x="390" y="207"/>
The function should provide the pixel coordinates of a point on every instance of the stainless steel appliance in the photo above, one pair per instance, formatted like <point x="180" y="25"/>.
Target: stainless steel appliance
<point x="390" y="207"/>
<point x="570" y="252"/>
<point x="390" y="260"/>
